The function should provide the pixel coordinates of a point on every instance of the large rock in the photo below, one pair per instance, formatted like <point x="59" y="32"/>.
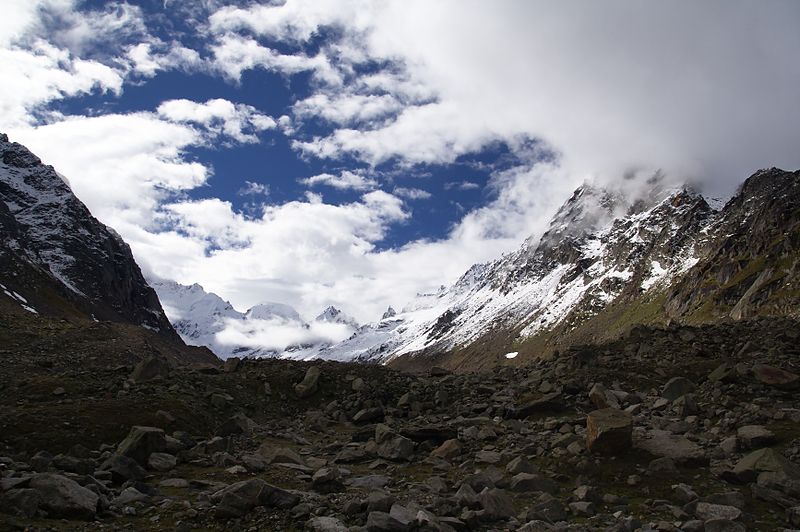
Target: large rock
<point x="279" y="455"/>
<point x="677" y="387"/>
<point x="123" y="469"/>
<point x="240" y="498"/>
<point x="497" y="504"/>
<point x="397" y="448"/>
<point x="309" y="384"/>
<point x="325" y="524"/>
<point x="602" y="398"/>
<point x="383" y="522"/>
<point x="754" y="436"/>
<point x="448" y="450"/>
<point x="608" y="431"/>
<point x="549" y="402"/>
<point x="663" y="443"/>
<point x="149" y="369"/>
<point x="23" y="502"/>
<point x="777" y="377"/>
<point x="62" y="497"/>
<point x="141" y="442"/>
<point x="706" y="511"/>
<point x="764" y="460"/>
<point x="161" y="462"/>
<point x="237" y="424"/>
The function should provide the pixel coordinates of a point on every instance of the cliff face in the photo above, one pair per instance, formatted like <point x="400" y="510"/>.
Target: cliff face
<point x="60" y="259"/>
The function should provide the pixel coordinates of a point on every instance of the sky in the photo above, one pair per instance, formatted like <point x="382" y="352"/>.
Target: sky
<point x="355" y="153"/>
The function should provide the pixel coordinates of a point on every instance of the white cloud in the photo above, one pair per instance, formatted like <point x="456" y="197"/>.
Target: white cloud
<point x="234" y="54"/>
<point x="411" y="193"/>
<point x="148" y="58"/>
<point x="461" y="185"/>
<point x="278" y="334"/>
<point x="344" y="109"/>
<point x="219" y="117"/>
<point x="346" y="179"/>
<point x="251" y="188"/>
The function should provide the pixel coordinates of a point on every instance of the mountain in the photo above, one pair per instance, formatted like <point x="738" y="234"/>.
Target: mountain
<point x="265" y="330"/>
<point x="606" y="264"/>
<point x="58" y="258"/>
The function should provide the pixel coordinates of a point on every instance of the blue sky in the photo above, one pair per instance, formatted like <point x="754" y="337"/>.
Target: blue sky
<point x="355" y="153"/>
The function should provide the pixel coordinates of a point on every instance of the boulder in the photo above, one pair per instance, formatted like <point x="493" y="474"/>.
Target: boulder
<point x="602" y="398"/>
<point x="397" y="448"/>
<point x="384" y="522"/>
<point x="764" y="460"/>
<point x="496" y="504"/>
<point x="237" y="424"/>
<point x="608" y="431"/>
<point x="161" y="462"/>
<point x="679" y="448"/>
<point x="532" y="482"/>
<point x="325" y="524"/>
<point x="723" y="373"/>
<point x="776" y="377"/>
<point x="23" y="502"/>
<point x="279" y="455"/>
<point x="677" y="387"/>
<point x="309" y="384"/>
<point x="149" y="369"/>
<point x="754" y="437"/>
<point x="723" y="525"/>
<point x="123" y="469"/>
<point x="240" y="498"/>
<point x="707" y="510"/>
<point x="141" y="442"/>
<point x="549" y="402"/>
<point x="63" y="497"/>
<point x="449" y="450"/>
<point x="367" y="415"/>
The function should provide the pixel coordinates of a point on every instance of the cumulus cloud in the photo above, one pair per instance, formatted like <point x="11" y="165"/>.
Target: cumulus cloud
<point x="219" y="117"/>
<point x="461" y="185"/>
<point x="411" y="193"/>
<point x="279" y="334"/>
<point x="344" y="180"/>
<point x="251" y="188"/>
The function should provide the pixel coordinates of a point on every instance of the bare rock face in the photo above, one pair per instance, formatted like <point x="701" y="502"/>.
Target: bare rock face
<point x="609" y="431"/>
<point x="51" y="238"/>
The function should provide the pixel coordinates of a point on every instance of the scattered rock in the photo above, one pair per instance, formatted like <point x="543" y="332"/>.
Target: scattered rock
<point x="309" y="384"/>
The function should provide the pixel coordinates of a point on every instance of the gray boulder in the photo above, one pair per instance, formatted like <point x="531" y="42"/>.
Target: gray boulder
<point x="62" y="497"/>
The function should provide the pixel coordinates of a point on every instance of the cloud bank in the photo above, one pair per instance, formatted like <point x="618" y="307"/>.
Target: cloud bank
<point x="702" y="91"/>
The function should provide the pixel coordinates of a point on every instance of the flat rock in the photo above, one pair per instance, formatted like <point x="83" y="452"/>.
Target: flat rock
<point x="754" y="436"/>
<point x="776" y="377"/>
<point x="549" y="402"/>
<point x="240" y="498"/>
<point x="679" y="448"/>
<point x="706" y="511"/>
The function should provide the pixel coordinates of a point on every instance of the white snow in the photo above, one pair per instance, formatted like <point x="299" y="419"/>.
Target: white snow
<point x="513" y="354"/>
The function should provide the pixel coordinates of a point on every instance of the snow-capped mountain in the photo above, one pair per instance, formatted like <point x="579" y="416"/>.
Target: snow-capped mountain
<point x="606" y="264"/>
<point x="60" y="260"/>
<point x="265" y="330"/>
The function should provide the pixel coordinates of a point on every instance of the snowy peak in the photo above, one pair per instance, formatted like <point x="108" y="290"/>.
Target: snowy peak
<point x="271" y="311"/>
<point x="334" y="315"/>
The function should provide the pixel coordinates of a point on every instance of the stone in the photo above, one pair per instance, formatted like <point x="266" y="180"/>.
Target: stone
<point x="608" y="431"/>
<point x="488" y="457"/>
<point x="496" y="504"/>
<point x="128" y="496"/>
<point x="327" y="480"/>
<point x="723" y="525"/>
<point x="63" y="497"/>
<point x="310" y="383"/>
<point x="24" y="502"/>
<point x="141" y="442"/>
<point x="383" y="522"/>
<point x="551" y="511"/>
<point x="58" y="392"/>
<point x="730" y="498"/>
<point x="707" y="510"/>
<point x="367" y="415"/>
<point x="793" y="516"/>
<point x="764" y="460"/>
<point x="161" y="462"/>
<point x="686" y="405"/>
<point x="582" y="508"/>
<point x="520" y="465"/>
<point x="237" y="424"/>
<point x="532" y="482"/>
<point x="549" y="402"/>
<point x="602" y="398"/>
<point x="279" y="455"/>
<point x="677" y="387"/>
<point x="398" y="448"/>
<point x="221" y="400"/>
<point x="662" y="465"/>
<point x="723" y="373"/>
<point x="174" y="483"/>
<point x="449" y="450"/>
<point x="123" y="469"/>
<point x="679" y="448"/>
<point x="776" y="377"/>
<point x="754" y="437"/>
<point x="325" y="524"/>
<point x="729" y="445"/>
<point x="358" y="384"/>
<point x="240" y="498"/>
<point x="379" y="501"/>
<point x="149" y="369"/>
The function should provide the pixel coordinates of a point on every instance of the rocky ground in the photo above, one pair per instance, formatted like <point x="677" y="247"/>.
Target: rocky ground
<point x="665" y="429"/>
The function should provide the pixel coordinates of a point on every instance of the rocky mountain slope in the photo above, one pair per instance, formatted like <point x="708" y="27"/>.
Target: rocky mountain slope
<point x="674" y="429"/>
<point x="606" y="264"/>
<point x="57" y="259"/>
<point x="264" y="330"/>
